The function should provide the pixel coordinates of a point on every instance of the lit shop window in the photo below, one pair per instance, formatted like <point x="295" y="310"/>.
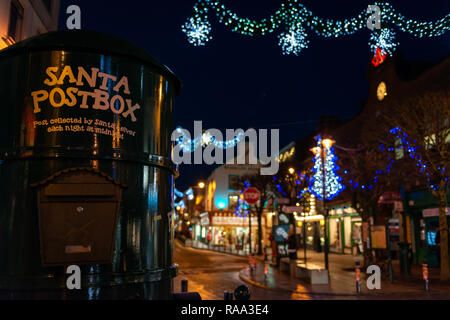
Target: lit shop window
<point x="233" y="201"/>
<point x="399" y="152"/>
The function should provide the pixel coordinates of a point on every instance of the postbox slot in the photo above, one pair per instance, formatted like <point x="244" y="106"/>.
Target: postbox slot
<point x="80" y="190"/>
<point x="78" y="249"/>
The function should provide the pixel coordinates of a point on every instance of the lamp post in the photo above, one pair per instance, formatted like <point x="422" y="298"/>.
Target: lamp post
<point x="326" y="145"/>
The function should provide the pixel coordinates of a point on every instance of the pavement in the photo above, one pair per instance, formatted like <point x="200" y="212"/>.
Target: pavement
<point x="342" y="284"/>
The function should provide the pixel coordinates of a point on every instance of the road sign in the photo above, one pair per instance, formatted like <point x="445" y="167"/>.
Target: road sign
<point x="282" y="200"/>
<point x="287" y="209"/>
<point x="281" y="233"/>
<point x="283" y="219"/>
<point x="251" y="195"/>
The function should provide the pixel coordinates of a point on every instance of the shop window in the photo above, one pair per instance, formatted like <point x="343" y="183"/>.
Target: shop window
<point x="15" y="20"/>
<point x="233" y="201"/>
<point x="233" y="182"/>
<point x="399" y="152"/>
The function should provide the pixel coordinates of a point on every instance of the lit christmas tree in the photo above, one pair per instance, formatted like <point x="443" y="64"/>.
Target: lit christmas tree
<point x="332" y="181"/>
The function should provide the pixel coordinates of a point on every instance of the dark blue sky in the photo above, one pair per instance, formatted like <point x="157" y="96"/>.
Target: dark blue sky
<point x="241" y="82"/>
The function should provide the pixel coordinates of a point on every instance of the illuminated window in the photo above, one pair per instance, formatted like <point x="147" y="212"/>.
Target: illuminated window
<point x="399" y="152"/>
<point x="233" y="201"/>
<point x="15" y="20"/>
<point x="233" y="182"/>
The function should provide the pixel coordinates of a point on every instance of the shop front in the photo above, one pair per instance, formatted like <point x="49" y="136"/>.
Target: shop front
<point x="200" y="230"/>
<point x="230" y="233"/>
<point x="345" y="230"/>
<point x="311" y="230"/>
<point x="423" y="212"/>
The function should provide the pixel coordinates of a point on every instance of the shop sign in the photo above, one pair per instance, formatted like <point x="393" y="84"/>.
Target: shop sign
<point x="282" y="250"/>
<point x="390" y="197"/>
<point x="283" y="219"/>
<point x="281" y="233"/>
<point x="292" y="209"/>
<point x="434" y="212"/>
<point x="234" y="221"/>
<point x="204" y="219"/>
<point x="394" y="225"/>
<point x="282" y="200"/>
<point x="378" y="236"/>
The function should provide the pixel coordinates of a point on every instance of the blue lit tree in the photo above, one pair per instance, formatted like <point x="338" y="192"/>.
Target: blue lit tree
<point x="332" y="182"/>
<point x="421" y="126"/>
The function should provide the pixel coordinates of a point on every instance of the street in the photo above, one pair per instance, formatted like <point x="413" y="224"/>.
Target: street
<point x="211" y="274"/>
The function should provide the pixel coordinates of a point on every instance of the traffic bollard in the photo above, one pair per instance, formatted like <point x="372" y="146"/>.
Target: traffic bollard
<point x="266" y="270"/>
<point x="228" y="295"/>
<point x="358" y="277"/>
<point x="184" y="286"/>
<point x="425" y="276"/>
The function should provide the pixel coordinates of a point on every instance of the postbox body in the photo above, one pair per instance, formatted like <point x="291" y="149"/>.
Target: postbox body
<point x="86" y="174"/>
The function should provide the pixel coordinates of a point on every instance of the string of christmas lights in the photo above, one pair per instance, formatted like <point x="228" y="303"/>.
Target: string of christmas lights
<point x="295" y="17"/>
<point x="178" y="194"/>
<point x="332" y="181"/>
<point x="242" y="206"/>
<point x="414" y="153"/>
<point x="190" y="145"/>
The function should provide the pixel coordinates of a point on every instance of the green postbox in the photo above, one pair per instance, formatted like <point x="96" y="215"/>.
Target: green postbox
<point x="86" y="174"/>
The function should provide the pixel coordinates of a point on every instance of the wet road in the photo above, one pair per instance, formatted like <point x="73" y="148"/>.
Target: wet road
<point x="212" y="273"/>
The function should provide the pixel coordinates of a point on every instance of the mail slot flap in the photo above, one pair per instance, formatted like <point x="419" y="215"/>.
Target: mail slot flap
<point x="80" y="190"/>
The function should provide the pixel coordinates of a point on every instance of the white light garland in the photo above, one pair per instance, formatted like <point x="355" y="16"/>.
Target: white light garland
<point x="206" y="139"/>
<point x="294" y="41"/>
<point x="197" y="30"/>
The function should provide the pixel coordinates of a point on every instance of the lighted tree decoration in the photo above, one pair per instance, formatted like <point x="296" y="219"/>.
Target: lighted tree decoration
<point x="296" y="18"/>
<point x="332" y="182"/>
<point x="421" y="125"/>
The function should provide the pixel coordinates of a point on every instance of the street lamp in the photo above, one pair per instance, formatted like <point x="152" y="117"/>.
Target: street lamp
<point x="326" y="146"/>
<point x="201" y="184"/>
<point x="291" y="170"/>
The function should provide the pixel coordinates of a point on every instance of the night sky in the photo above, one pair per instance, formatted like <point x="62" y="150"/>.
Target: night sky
<point x="241" y="82"/>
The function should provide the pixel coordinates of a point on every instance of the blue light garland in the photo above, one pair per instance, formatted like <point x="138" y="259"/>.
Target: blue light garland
<point x="296" y="17"/>
<point x="413" y="151"/>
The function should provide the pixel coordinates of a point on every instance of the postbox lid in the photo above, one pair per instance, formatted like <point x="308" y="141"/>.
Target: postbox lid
<point x="93" y="42"/>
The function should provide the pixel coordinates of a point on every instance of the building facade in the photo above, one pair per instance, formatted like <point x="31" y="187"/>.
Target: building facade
<point x="221" y="220"/>
<point x="22" y="19"/>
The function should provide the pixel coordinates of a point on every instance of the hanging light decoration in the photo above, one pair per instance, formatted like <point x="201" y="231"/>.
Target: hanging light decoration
<point x="294" y="41"/>
<point x="197" y="30"/>
<point x="206" y="139"/>
<point x="293" y="15"/>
